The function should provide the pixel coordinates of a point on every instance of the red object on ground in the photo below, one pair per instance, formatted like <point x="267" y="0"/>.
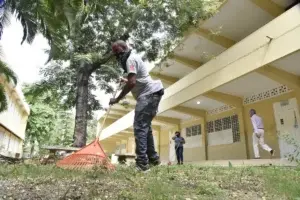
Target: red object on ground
<point x="88" y="157"/>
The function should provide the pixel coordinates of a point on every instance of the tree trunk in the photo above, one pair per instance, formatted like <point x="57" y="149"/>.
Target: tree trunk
<point x="80" y="132"/>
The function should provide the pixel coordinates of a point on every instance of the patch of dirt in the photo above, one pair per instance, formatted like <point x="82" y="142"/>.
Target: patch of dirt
<point x="52" y="189"/>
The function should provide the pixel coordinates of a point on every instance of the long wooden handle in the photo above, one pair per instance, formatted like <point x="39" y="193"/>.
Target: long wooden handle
<point x="107" y="112"/>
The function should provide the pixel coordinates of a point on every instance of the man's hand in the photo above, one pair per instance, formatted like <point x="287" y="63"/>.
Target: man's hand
<point x="123" y="80"/>
<point x="113" y="101"/>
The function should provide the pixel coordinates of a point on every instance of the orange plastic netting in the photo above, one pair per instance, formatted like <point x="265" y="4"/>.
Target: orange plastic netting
<point x="87" y="158"/>
<point x="90" y="156"/>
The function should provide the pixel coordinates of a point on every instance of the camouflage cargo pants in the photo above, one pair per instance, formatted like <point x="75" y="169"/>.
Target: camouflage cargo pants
<point x="145" y="111"/>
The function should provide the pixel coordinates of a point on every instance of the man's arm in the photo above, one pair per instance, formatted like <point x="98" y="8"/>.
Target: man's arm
<point x="254" y="124"/>
<point x="183" y="140"/>
<point x="131" y="82"/>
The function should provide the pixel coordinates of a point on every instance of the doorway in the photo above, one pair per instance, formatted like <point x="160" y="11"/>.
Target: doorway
<point x="287" y="123"/>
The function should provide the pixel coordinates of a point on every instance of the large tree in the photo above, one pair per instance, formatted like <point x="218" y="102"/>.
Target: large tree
<point x="84" y="61"/>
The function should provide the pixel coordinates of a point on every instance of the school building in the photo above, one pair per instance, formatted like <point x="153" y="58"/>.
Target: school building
<point x="13" y="121"/>
<point x="245" y="56"/>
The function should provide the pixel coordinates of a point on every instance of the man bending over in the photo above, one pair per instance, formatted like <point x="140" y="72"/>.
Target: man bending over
<point x="148" y="94"/>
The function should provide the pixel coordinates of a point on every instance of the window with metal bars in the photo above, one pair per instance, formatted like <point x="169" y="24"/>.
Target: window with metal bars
<point x="193" y="130"/>
<point x="230" y="122"/>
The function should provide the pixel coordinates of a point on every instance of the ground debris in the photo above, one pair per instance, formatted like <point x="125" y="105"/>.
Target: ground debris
<point x="8" y="160"/>
<point x="48" y="182"/>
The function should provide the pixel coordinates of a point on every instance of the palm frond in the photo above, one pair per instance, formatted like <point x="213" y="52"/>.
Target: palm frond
<point x="6" y="18"/>
<point x="3" y="99"/>
<point x="8" y="72"/>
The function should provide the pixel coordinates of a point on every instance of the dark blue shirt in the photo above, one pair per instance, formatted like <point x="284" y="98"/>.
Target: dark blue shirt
<point x="179" y="141"/>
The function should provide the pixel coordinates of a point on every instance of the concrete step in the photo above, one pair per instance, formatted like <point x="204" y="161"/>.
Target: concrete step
<point x="249" y="162"/>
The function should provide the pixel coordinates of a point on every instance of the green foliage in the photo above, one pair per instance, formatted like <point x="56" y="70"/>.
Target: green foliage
<point x="284" y="181"/>
<point x="42" y="120"/>
<point x="48" y="123"/>
<point x="41" y="124"/>
<point x="92" y="129"/>
<point x="52" y="18"/>
<point x="11" y="77"/>
<point x="63" y="132"/>
<point x="61" y="81"/>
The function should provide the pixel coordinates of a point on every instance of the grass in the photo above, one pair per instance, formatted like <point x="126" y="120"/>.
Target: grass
<point x="175" y="182"/>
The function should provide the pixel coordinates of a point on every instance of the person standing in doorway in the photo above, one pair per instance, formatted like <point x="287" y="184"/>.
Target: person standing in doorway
<point x="148" y="93"/>
<point x="179" y="141"/>
<point x="258" y="134"/>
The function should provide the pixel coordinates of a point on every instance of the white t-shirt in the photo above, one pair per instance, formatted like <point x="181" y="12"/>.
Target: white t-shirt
<point x="145" y="85"/>
<point x="257" y="123"/>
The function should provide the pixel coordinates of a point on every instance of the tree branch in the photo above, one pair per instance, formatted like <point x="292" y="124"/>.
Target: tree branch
<point x="108" y="55"/>
<point x="100" y="60"/>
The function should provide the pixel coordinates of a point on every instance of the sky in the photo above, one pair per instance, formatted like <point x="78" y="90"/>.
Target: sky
<point x="24" y="59"/>
<point x="27" y="59"/>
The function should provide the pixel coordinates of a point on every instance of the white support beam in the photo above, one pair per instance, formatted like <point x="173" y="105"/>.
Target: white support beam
<point x="278" y="48"/>
<point x="256" y="48"/>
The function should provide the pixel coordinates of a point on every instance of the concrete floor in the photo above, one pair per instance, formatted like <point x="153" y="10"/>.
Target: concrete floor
<point x="249" y="162"/>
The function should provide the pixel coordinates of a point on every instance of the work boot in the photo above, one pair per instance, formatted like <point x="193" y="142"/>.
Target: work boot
<point x="142" y="167"/>
<point x="154" y="161"/>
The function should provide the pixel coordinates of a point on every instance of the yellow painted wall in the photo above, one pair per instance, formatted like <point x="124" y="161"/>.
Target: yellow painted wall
<point x="109" y="147"/>
<point x="228" y="151"/>
<point x="157" y="135"/>
<point x="197" y="153"/>
<point x="236" y="150"/>
<point x="164" y="145"/>
<point x="265" y="110"/>
<point x="9" y="143"/>
<point x="131" y="145"/>
<point x="14" y="118"/>
<point x="13" y="121"/>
